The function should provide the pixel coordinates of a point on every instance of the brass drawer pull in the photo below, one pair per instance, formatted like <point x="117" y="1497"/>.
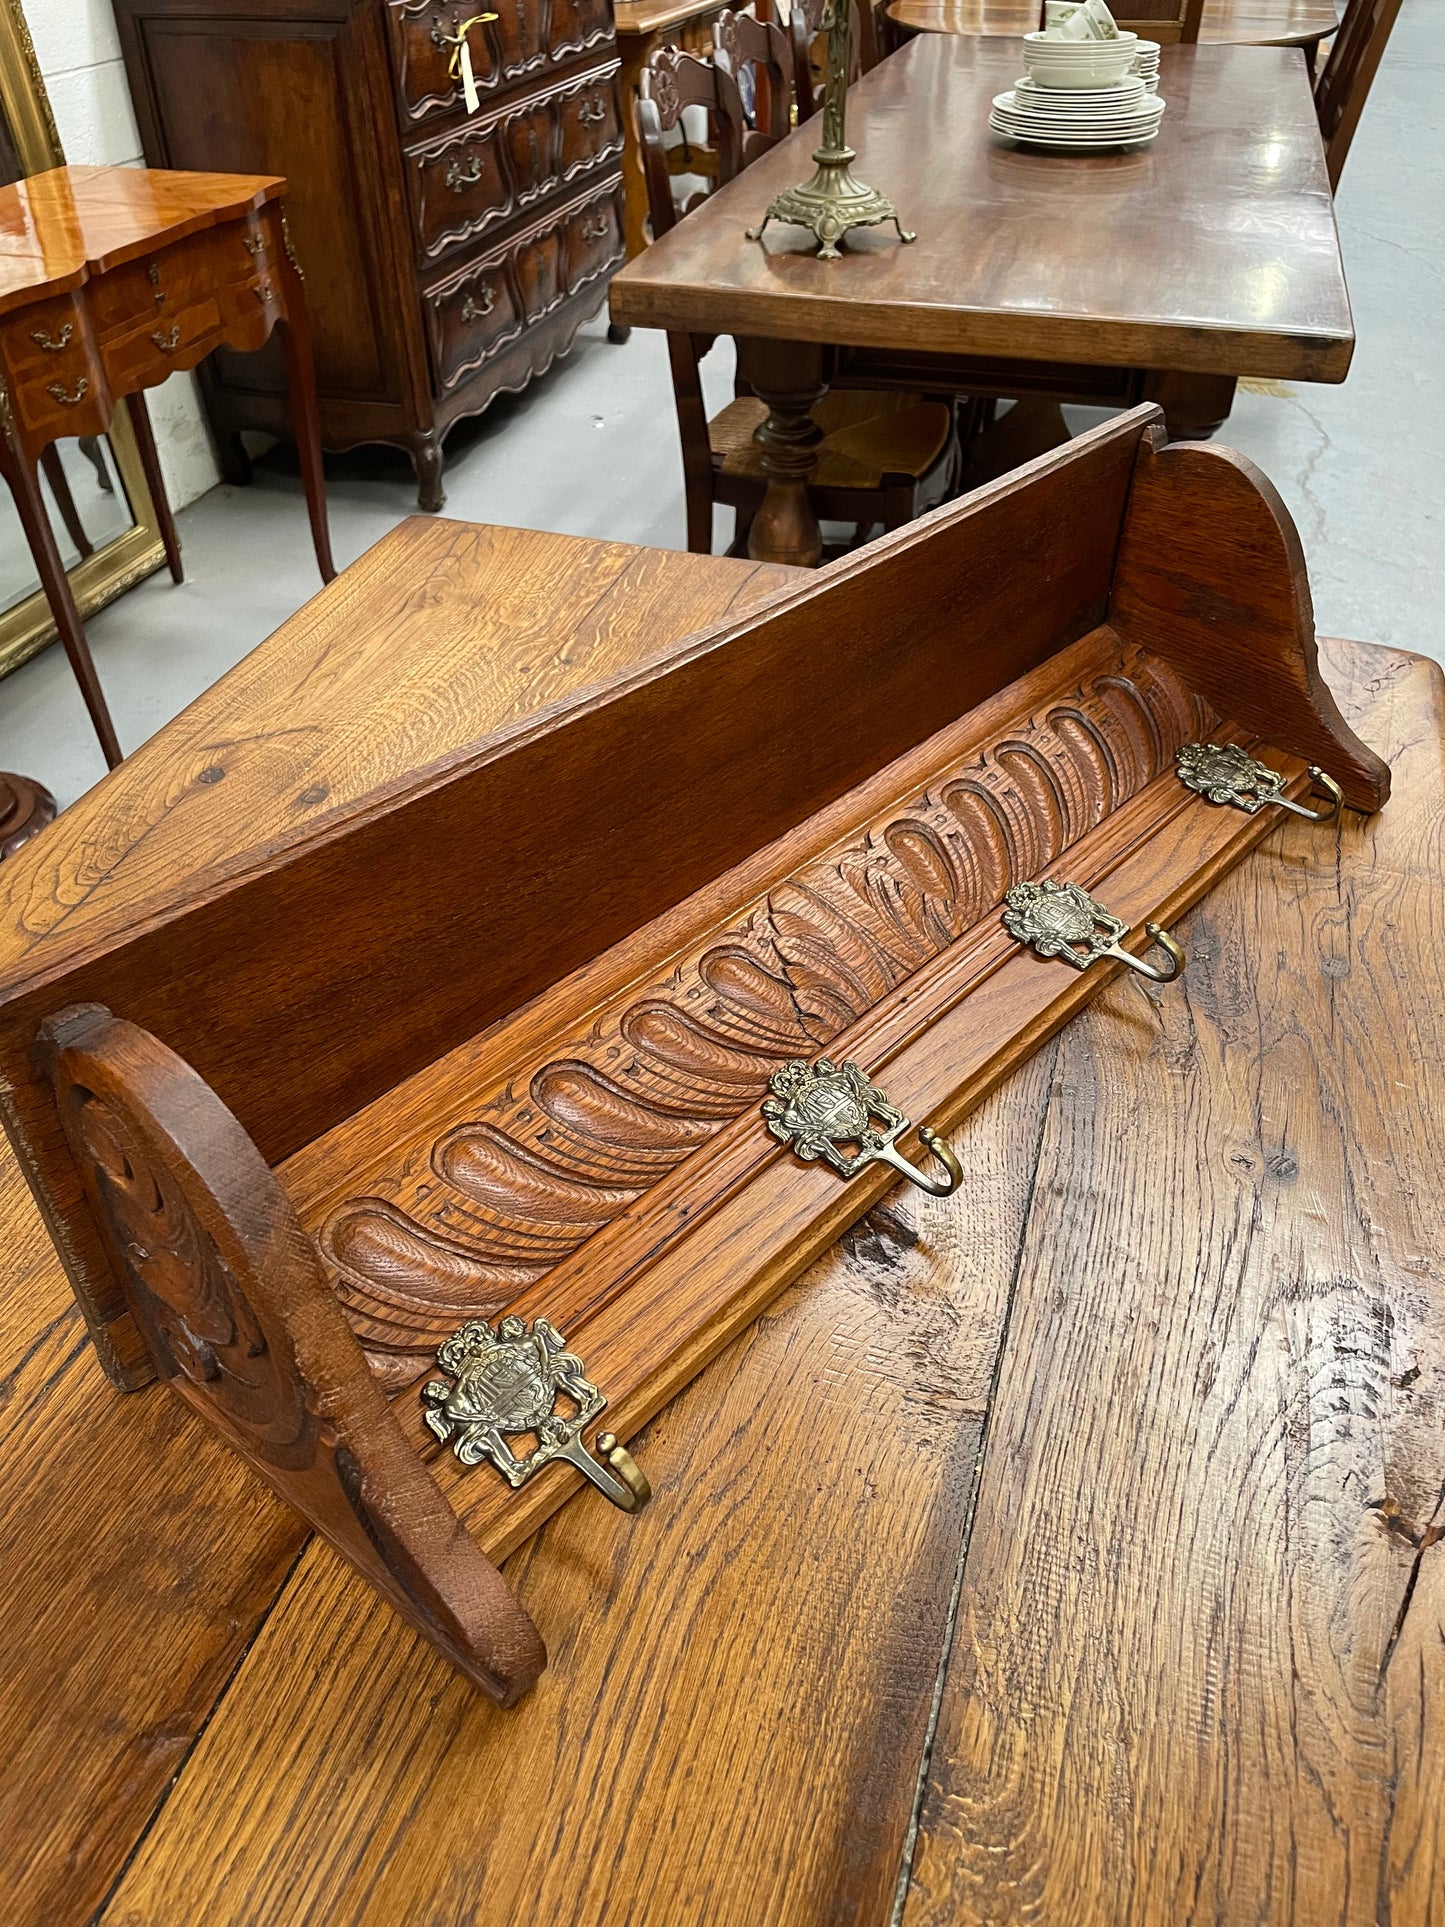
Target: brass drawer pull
<point x="817" y="1108"/>
<point x="596" y="227"/>
<point x="52" y="342"/>
<point x="264" y="292"/>
<point x="254" y="244"/>
<point x="1224" y="773"/>
<point x="167" y="339"/>
<point x="508" y="1381"/>
<point x="591" y="112"/>
<point x="473" y="310"/>
<point x="1062" y="920"/>
<point x="464" y="175"/>
<point x="68" y="397"/>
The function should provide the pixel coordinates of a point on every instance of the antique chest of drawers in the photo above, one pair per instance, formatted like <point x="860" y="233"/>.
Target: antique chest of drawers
<point x="450" y="254"/>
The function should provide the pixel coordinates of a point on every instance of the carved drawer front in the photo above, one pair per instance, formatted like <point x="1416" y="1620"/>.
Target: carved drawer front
<point x="593" y="239"/>
<point x="526" y="38"/>
<point x="503" y="50"/>
<point x="471" y="317"/>
<point x="459" y="187"/>
<point x="589" y="115"/>
<point x="578" y="25"/>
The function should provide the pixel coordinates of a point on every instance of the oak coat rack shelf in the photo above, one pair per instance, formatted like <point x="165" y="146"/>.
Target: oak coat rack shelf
<point x="492" y="1038"/>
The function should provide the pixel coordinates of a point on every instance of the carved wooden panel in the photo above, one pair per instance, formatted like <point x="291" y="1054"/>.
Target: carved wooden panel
<point x="225" y="1287"/>
<point x="552" y="1151"/>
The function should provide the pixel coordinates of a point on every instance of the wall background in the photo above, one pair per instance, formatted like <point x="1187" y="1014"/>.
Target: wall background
<point x="79" y="54"/>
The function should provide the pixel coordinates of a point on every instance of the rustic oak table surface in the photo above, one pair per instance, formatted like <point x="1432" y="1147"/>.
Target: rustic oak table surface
<point x="1069" y="1550"/>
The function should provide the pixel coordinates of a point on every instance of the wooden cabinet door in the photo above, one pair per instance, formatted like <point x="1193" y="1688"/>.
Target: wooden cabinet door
<point x="304" y="93"/>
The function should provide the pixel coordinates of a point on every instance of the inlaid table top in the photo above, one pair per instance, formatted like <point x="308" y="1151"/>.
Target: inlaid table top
<point x="651" y="16"/>
<point x="1067" y="1550"/>
<point x="1233" y="23"/>
<point x="1213" y="251"/>
<point x="59" y="228"/>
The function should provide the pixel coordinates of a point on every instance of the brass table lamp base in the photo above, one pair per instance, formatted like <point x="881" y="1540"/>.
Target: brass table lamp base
<point x="831" y="203"/>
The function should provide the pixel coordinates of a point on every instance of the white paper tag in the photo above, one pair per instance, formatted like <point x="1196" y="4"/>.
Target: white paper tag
<point x="469" y="82"/>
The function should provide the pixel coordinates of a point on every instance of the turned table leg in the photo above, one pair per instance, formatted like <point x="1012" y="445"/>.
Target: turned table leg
<point x="25" y="808"/>
<point x="789" y="377"/>
<point x="1195" y="406"/>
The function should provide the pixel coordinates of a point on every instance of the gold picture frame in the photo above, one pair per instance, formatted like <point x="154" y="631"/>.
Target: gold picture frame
<point x="138" y="552"/>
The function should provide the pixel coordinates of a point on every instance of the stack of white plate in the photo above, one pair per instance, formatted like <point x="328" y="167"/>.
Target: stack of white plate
<point x="1146" y="64"/>
<point x="1124" y="115"/>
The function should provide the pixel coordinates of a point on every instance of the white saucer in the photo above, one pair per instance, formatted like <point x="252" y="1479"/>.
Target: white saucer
<point x="1079" y="99"/>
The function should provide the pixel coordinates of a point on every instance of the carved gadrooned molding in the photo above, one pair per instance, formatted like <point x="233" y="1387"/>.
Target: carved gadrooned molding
<point x="560" y="1148"/>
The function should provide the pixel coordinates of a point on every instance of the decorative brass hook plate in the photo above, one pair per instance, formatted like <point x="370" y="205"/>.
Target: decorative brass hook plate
<point x="1063" y="920"/>
<point x="1224" y="773"/>
<point x="509" y="1382"/>
<point x="815" y="1108"/>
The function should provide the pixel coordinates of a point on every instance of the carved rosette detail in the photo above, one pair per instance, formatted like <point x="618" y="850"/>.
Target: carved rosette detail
<point x="562" y="1151"/>
<point x="196" y="1318"/>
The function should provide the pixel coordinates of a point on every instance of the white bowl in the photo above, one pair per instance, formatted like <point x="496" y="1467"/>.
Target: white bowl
<point x="1093" y="64"/>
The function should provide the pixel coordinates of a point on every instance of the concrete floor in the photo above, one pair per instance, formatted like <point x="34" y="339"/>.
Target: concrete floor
<point x="592" y="450"/>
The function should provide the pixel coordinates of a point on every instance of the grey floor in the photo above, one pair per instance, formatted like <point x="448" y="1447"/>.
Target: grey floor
<point x="592" y="450"/>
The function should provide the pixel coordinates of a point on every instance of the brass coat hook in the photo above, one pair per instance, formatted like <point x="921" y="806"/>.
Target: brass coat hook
<point x="817" y="1108"/>
<point x="508" y="1381"/>
<point x="1062" y="920"/>
<point x="1224" y="773"/>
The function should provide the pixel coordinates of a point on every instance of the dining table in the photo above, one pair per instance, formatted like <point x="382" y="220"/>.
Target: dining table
<point x="1231" y="23"/>
<point x="1159" y="273"/>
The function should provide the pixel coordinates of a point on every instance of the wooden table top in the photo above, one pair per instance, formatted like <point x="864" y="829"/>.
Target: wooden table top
<point x="59" y="228"/>
<point x="641" y="17"/>
<point x="1231" y="23"/>
<point x="1213" y="251"/>
<point x="1131" y="1451"/>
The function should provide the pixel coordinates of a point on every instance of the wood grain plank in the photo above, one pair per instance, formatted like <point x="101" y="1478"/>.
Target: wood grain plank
<point x="1216" y="1451"/>
<point x="741" y="1677"/>
<point x="137" y="1557"/>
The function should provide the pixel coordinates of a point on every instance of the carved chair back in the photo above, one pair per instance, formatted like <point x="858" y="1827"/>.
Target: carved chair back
<point x="810" y="51"/>
<point x="670" y="83"/>
<point x="229" y="1294"/>
<point x="1344" y="85"/>
<point x="759" y="57"/>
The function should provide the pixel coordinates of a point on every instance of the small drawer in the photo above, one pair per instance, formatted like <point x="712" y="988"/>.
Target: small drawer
<point x="45" y="342"/>
<point x="470" y="317"/>
<point x="423" y="33"/>
<point x="593" y="240"/>
<point x="578" y="25"/>
<point x="459" y="187"/>
<point x="145" y="354"/>
<point x="590" y="120"/>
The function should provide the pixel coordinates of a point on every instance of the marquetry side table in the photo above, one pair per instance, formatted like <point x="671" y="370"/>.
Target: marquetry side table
<point x="111" y="278"/>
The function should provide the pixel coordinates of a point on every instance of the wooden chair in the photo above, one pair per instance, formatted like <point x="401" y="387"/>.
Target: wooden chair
<point x="885" y="456"/>
<point x="1167" y="21"/>
<point x="757" y="55"/>
<point x="810" y="58"/>
<point x="1344" y="85"/>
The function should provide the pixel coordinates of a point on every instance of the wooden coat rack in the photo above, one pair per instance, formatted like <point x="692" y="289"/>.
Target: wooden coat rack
<point x="493" y="1040"/>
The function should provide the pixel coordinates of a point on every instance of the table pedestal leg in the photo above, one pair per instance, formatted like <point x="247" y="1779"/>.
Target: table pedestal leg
<point x="789" y="377"/>
<point x="1195" y="406"/>
<point x="25" y="808"/>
